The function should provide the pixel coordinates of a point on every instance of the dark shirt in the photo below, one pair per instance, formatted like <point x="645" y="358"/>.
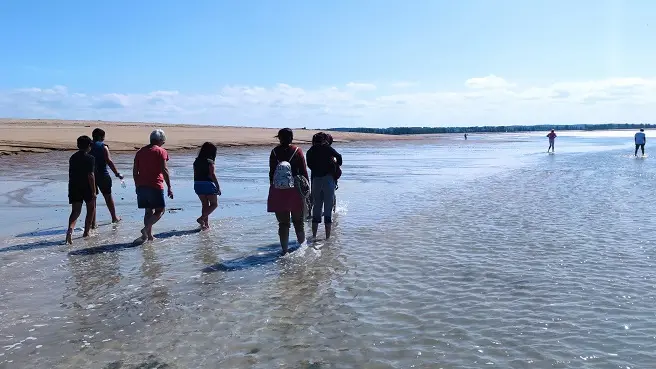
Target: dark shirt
<point x="284" y="153"/>
<point x="202" y="170"/>
<point x="320" y="160"/>
<point x="98" y="152"/>
<point x="79" y="166"/>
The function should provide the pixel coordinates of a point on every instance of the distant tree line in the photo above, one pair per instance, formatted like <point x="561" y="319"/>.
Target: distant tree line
<point x="485" y="129"/>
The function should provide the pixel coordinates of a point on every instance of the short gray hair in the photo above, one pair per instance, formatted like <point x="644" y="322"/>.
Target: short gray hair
<point x="157" y="136"/>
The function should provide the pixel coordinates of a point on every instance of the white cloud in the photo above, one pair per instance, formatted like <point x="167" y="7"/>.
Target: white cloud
<point x="487" y="100"/>
<point x="361" y="86"/>
<point x="403" y="84"/>
<point x="490" y="81"/>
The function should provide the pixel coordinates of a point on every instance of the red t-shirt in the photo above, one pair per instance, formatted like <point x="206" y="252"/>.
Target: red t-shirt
<point x="149" y="162"/>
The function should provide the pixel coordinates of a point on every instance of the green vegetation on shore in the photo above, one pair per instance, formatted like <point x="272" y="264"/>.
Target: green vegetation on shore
<point x="485" y="129"/>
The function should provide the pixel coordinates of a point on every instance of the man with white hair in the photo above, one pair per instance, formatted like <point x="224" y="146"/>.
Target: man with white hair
<point x="150" y="173"/>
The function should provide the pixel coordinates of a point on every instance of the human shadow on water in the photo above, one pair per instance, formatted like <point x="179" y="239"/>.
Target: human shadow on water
<point x="266" y="255"/>
<point x="128" y="245"/>
<point x="33" y="246"/>
<point x="55" y="231"/>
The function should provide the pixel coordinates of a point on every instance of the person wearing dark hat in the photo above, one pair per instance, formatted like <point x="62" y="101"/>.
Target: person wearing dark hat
<point x="287" y="173"/>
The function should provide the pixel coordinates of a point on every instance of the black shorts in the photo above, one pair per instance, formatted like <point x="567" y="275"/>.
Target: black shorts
<point x="103" y="183"/>
<point x="150" y="198"/>
<point x="76" y="195"/>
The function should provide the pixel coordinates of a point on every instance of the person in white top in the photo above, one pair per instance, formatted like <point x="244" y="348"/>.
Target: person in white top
<point x="640" y="141"/>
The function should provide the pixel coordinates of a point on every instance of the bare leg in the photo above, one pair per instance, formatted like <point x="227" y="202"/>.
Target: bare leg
<point x="212" y="204"/>
<point x="299" y="226"/>
<point x="329" y="227"/>
<point x="91" y="213"/>
<point x="148" y="213"/>
<point x="157" y="215"/>
<point x="283" y="230"/>
<point x="76" y="210"/>
<point x="203" y="205"/>
<point x="94" y="225"/>
<point x="109" y="200"/>
<point x="315" y="229"/>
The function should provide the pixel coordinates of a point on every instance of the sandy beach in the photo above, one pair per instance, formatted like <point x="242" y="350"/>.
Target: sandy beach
<point x="42" y="135"/>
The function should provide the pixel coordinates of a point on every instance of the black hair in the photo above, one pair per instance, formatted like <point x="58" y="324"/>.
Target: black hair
<point x="319" y="138"/>
<point x="329" y="138"/>
<point x="207" y="151"/>
<point x="83" y="142"/>
<point x="98" y="134"/>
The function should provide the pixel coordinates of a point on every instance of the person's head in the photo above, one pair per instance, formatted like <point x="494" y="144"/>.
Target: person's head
<point x="285" y="136"/>
<point x="84" y="143"/>
<point x="319" y="138"/>
<point x="207" y="151"/>
<point x="157" y="137"/>
<point x="642" y="129"/>
<point x="98" y="135"/>
<point x="329" y="139"/>
<point x="552" y="131"/>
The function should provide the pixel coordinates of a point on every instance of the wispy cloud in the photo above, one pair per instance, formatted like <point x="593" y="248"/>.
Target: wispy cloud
<point x="483" y="100"/>
<point x="490" y="81"/>
<point x="403" y="84"/>
<point x="361" y="86"/>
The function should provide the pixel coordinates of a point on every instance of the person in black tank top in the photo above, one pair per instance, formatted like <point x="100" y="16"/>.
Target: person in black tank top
<point x="206" y="185"/>
<point x="81" y="187"/>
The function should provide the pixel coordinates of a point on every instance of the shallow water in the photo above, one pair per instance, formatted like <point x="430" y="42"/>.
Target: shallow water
<point x="485" y="253"/>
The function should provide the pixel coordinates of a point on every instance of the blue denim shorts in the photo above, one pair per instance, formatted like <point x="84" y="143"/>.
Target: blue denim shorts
<point x="150" y="198"/>
<point x="205" y="188"/>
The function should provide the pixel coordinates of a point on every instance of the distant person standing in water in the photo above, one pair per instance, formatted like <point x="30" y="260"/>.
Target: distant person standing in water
<point x="640" y="141"/>
<point x="465" y="137"/>
<point x="324" y="161"/>
<point x="81" y="186"/>
<point x="150" y="172"/>
<point x="552" y="140"/>
<point x="286" y="163"/>
<point x="338" y="172"/>
<point x="206" y="185"/>
<point x="100" y="152"/>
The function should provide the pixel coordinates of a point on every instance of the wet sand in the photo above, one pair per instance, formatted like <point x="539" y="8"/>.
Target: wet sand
<point x="43" y="135"/>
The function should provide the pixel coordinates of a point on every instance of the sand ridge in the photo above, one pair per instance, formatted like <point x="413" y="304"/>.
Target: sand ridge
<point x="42" y="135"/>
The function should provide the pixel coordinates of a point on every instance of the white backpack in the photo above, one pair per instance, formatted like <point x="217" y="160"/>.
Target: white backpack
<point x="283" y="177"/>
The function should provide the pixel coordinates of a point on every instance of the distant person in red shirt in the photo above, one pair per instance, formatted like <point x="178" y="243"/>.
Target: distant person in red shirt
<point x="552" y="139"/>
<point x="150" y="172"/>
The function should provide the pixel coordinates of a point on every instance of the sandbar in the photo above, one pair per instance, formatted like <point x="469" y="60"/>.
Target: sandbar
<point x="18" y="136"/>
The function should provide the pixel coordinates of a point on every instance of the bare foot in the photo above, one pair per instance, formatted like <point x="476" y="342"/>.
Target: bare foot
<point x="85" y="235"/>
<point x="144" y="234"/>
<point x="151" y="238"/>
<point x="118" y="219"/>
<point x="201" y="222"/>
<point x="69" y="238"/>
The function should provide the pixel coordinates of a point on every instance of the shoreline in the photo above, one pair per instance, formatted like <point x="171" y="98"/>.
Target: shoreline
<point x="28" y="136"/>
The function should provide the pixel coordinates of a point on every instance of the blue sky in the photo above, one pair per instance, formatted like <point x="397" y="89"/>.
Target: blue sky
<point x="329" y="63"/>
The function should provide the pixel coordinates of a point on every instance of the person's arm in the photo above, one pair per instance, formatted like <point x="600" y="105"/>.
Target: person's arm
<point x="91" y="177"/>
<point x="214" y="179"/>
<point x="135" y="171"/>
<point x="635" y="139"/>
<point x="167" y="178"/>
<point x="337" y="156"/>
<point x="301" y="161"/>
<point x="272" y="166"/>
<point x="309" y="158"/>
<point x="110" y="163"/>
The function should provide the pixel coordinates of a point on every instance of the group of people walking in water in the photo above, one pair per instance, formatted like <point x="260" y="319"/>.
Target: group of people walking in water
<point x="293" y="194"/>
